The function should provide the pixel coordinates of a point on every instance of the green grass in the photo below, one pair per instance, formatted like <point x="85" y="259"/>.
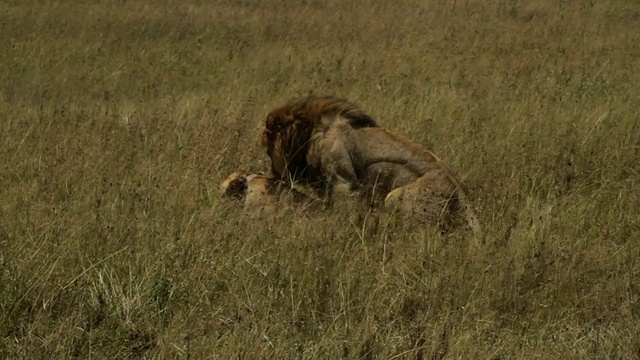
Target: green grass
<point x="120" y="118"/>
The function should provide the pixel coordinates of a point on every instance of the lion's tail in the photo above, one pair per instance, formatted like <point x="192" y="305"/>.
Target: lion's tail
<point x="469" y="213"/>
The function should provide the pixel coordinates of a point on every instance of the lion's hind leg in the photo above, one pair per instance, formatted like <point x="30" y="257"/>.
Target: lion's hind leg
<point x="431" y="199"/>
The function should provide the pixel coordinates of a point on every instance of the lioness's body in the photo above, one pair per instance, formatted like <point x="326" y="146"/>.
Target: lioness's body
<point x="258" y="192"/>
<point x="334" y="149"/>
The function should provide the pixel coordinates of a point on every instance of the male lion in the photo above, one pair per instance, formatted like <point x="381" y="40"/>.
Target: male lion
<point x="258" y="191"/>
<point x="330" y="143"/>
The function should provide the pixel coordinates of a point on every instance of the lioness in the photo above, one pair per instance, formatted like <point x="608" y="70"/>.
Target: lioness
<point x="258" y="191"/>
<point x="327" y="142"/>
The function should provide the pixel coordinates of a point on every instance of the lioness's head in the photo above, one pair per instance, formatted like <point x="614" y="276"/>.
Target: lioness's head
<point x="234" y="186"/>
<point x="242" y="186"/>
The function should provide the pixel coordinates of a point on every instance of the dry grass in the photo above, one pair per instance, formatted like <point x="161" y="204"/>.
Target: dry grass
<point x="119" y="119"/>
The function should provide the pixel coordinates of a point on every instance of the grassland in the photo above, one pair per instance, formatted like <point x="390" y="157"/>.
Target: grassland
<point x="120" y="118"/>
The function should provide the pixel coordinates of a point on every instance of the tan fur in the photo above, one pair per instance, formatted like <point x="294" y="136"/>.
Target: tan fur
<point x="327" y="143"/>
<point x="253" y="190"/>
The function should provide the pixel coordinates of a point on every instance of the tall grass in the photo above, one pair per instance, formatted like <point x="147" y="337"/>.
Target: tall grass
<point x="120" y="118"/>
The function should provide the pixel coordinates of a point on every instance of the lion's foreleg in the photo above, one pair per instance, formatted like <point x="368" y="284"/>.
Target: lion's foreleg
<point x="338" y="168"/>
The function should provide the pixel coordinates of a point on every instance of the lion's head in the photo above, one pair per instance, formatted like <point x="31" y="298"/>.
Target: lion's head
<point x="288" y="131"/>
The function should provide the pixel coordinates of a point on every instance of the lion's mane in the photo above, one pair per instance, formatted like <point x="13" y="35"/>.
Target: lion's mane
<point x="289" y="128"/>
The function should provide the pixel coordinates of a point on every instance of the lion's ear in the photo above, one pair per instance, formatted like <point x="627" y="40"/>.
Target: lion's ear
<point x="275" y="124"/>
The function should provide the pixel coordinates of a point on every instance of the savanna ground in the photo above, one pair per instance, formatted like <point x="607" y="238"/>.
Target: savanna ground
<point x="120" y="118"/>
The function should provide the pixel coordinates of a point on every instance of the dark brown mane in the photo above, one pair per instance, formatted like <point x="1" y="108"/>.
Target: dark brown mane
<point x="312" y="109"/>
